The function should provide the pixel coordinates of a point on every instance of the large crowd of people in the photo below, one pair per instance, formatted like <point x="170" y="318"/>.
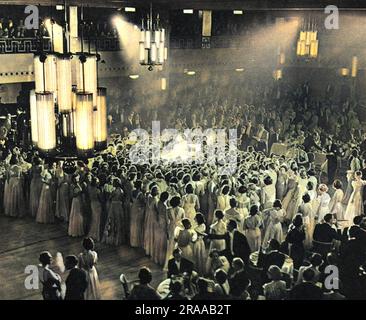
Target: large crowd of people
<point x="269" y="230"/>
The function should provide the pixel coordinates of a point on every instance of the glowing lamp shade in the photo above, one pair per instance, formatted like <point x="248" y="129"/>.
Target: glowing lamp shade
<point x="161" y="53"/>
<point x="314" y="44"/>
<point x="46" y="122"/>
<point x="84" y="123"/>
<point x="277" y="74"/>
<point x="282" y="58"/>
<point x="157" y="37"/>
<point x="100" y="120"/>
<point x="354" y="67"/>
<point x="90" y="76"/>
<point x="64" y="84"/>
<point x="154" y="52"/>
<point x="142" y="52"/>
<point x="302" y="36"/>
<point x="45" y="74"/>
<point x="163" y="84"/>
<point x="147" y="39"/>
<point x="33" y="115"/>
<point x="165" y="53"/>
<point x="344" y="72"/>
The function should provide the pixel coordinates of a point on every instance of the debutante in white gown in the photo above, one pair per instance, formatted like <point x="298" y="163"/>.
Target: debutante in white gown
<point x="87" y="262"/>
<point x="355" y="203"/>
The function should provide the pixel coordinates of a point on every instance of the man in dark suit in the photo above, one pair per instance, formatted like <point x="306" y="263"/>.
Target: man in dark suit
<point x="306" y="290"/>
<point x="273" y="258"/>
<point x="239" y="280"/>
<point x="236" y="243"/>
<point x="178" y="265"/>
<point x="324" y="232"/>
<point x="332" y="157"/>
<point x="309" y="143"/>
<point x="77" y="281"/>
<point x="273" y="138"/>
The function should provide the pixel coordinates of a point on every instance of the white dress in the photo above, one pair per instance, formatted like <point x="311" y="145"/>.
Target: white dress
<point x="87" y="261"/>
<point x="307" y="211"/>
<point x="274" y="228"/>
<point x="335" y="204"/>
<point x="268" y="196"/>
<point x="190" y="203"/>
<point x="219" y="227"/>
<point x="355" y="203"/>
<point x="223" y="202"/>
<point x="323" y="208"/>
<point x="199" y="249"/>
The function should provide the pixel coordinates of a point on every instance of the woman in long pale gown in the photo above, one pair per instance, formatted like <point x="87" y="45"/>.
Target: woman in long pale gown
<point x="175" y="216"/>
<point x="161" y="230"/>
<point x="335" y="205"/>
<point x="137" y="216"/>
<point x="350" y="178"/>
<point x="87" y="261"/>
<point x="355" y="204"/>
<point x="96" y="209"/>
<point x="219" y="228"/>
<point x="76" y="218"/>
<point x="268" y="193"/>
<point x="273" y="229"/>
<point x="252" y="225"/>
<point x="307" y="211"/>
<point x="243" y="201"/>
<point x="190" y="203"/>
<point x="45" y="213"/>
<point x="185" y="240"/>
<point x="281" y="184"/>
<point x="202" y="193"/>
<point x="35" y="186"/>
<point x="323" y="200"/>
<point x="212" y="199"/>
<point x="150" y="220"/>
<point x="63" y="195"/>
<point x="199" y="249"/>
<point x="223" y="199"/>
<point x="115" y="230"/>
<point x="14" y="200"/>
<point x="292" y="200"/>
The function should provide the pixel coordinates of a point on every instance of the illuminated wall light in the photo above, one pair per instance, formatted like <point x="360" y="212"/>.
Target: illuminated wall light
<point x="238" y="12"/>
<point x="354" y="67"/>
<point x="33" y="116"/>
<point x="239" y="69"/>
<point x="191" y="73"/>
<point x="134" y="76"/>
<point x="100" y="120"/>
<point x="163" y="84"/>
<point x="130" y="9"/>
<point x="59" y="7"/>
<point x="344" y="72"/>
<point x="188" y="11"/>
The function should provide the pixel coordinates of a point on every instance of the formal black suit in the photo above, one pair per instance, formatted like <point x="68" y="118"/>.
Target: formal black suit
<point x="306" y="291"/>
<point x="323" y="232"/>
<point x="76" y="284"/>
<point x="273" y="258"/>
<point x="238" y="282"/>
<point x="332" y="153"/>
<point x="240" y="246"/>
<point x="185" y="266"/>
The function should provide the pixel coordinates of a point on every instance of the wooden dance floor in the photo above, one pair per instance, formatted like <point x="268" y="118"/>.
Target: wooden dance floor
<point x="21" y="241"/>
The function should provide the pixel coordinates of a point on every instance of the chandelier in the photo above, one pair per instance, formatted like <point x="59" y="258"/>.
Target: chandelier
<point x="152" y="44"/>
<point x="68" y="109"/>
<point x="307" y="43"/>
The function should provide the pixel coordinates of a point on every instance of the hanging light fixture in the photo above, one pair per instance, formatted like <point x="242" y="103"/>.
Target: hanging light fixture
<point x="68" y="112"/>
<point x="152" y="45"/>
<point x="308" y="43"/>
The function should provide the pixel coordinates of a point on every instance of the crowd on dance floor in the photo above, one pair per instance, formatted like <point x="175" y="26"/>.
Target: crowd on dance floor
<point x="270" y="230"/>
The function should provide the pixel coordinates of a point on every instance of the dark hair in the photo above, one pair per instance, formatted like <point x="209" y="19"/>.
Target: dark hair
<point x="232" y="224"/>
<point x="310" y="185"/>
<point x="177" y="250"/>
<point x="189" y="188"/>
<point x="220" y="276"/>
<point x="175" y="201"/>
<point x="306" y="198"/>
<point x="186" y="223"/>
<point x="219" y="214"/>
<point x="253" y="210"/>
<point x="328" y="217"/>
<point x="357" y="220"/>
<point x="71" y="261"/>
<point x="225" y="189"/>
<point x="337" y="184"/>
<point x="277" y="204"/>
<point x="274" y="244"/>
<point x="176" y="287"/>
<point x="297" y="222"/>
<point x="145" y="275"/>
<point x="242" y="189"/>
<point x="164" y="196"/>
<point x="316" y="259"/>
<point x="88" y="244"/>
<point x="200" y="218"/>
<point x="233" y="202"/>
<point x="267" y="180"/>
<point x="45" y="258"/>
